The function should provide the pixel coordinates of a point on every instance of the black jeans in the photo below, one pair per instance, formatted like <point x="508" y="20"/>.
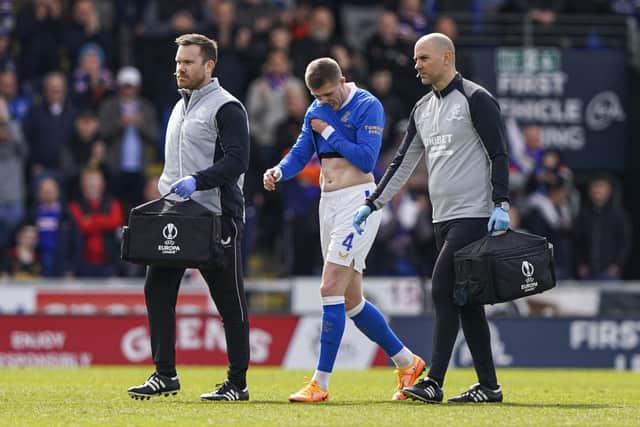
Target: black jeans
<point x="226" y="286"/>
<point x="451" y="236"/>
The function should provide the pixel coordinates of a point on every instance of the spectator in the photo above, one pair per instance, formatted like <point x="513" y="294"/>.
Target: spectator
<point x="299" y="20"/>
<point x="233" y="45"/>
<point x="525" y="149"/>
<point x="19" y="105"/>
<point x="59" y="242"/>
<point x="39" y="32"/>
<point x="127" y="23"/>
<point x="551" y="166"/>
<point x="127" y="269"/>
<point x="6" y="60"/>
<point x="300" y="204"/>
<point x="99" y="217"/>
<point x="266" y="105"/>
<point x="167" y="18"/>
<point x="48" y="126"/>
<point x="319" y="42"/>
<point x="85" y="27"/>
<point x="549" y="214"/>
<point x="386" y="50"/>
<point x="391" y="255"/>
<point x="350" y="62"/>
<point x="13" y="154"/>
<point x="129" y="126"/>
<point x="277" y="38"/>
<point x="84" y="149"/>
<point x="280" y="39"/>
<point x="423" y="239"/>
<point x="602" y="233"/>
<point x="448" y="26"/>
<point x="91" y="81"/>
<point x="287" y="222"/>
<point x="287" y="131"/>
<point x="381" y="85"/>
<point x="412" y="20"/>
<point x="259" y="15"/>
<point x="23" y="260"/>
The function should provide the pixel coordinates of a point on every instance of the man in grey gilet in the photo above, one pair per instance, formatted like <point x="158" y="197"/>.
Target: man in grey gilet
<point x="206" y="156"/>
<point x="457" y="127"/>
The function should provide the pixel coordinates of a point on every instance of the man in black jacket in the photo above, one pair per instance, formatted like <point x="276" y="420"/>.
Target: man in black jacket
<point x="603" y="234"/>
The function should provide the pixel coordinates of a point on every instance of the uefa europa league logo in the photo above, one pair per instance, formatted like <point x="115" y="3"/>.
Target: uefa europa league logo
<point x="170" y="231"/>
<point x="527" y="268"/>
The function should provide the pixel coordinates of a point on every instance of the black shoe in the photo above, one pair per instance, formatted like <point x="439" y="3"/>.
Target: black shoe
<point x="226" y="391"/>
<point x="156" y="385"/>
<point x="479" y="394"/>
<point x="426" y="390"/>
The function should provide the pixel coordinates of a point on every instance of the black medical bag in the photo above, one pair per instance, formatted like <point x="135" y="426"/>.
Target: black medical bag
<point x="171" y="233"/>
<point x="503" y="267"/>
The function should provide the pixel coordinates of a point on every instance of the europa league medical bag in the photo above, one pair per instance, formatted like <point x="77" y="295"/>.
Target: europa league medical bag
<point x="170" y="233"/>
<point x="503" y="267"/>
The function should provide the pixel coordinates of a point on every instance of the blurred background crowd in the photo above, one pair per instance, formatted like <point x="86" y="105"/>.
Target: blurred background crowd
<point x="86" y="88"/>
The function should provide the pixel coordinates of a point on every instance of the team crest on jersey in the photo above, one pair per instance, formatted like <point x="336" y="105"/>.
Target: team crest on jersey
<point x="345" y="116"/>
<point x="455" y="114"/>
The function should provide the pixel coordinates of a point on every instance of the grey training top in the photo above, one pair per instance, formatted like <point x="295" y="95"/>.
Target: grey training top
<point x="460" y="132"/>
<point x="208" y="137"/>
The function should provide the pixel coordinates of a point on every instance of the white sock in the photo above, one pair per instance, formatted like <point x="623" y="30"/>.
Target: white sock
<point x="403" y="358"/>
<point x="322" y="378"/>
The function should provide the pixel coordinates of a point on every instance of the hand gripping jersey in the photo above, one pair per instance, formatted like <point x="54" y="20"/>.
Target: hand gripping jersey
<point x="357" y="134"/>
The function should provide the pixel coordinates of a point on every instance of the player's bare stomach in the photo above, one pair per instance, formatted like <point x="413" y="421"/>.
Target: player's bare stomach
<point x="338" y="173"/>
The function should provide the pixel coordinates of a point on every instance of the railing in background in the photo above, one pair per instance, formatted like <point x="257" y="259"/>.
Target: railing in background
<point x="580" y="31"/>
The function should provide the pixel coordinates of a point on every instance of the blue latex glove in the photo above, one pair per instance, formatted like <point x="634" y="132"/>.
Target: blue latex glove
<point x="184" y="187"/>
<point x="361" y="216"/>
<point x="499" y="220"/>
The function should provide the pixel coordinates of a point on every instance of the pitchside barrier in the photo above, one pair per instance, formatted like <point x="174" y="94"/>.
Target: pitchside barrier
<point x="82" y="323"/>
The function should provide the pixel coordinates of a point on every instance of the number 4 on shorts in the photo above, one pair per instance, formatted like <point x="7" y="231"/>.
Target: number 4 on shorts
<point x="348" y="241"/>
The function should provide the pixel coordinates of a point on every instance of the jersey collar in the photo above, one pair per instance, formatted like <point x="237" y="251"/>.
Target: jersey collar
<point x="454" y="84"/>
<point x="353" y="88"/>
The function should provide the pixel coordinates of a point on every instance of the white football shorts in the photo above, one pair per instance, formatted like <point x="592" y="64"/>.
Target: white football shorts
<point x="340" y="242"/>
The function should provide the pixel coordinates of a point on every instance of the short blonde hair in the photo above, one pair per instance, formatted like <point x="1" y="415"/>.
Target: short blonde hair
<point x="322" y="71"/>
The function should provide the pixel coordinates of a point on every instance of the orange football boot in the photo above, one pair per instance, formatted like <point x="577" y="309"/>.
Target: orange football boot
<point x="311" y="392"/>
<point x="407" y="376"/>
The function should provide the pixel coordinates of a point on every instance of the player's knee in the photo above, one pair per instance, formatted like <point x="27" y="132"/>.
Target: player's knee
<point x="330" y="288"/>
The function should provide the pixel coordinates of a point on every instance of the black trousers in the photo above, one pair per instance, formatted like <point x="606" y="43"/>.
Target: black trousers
<point x="451" y="236"/>
<point x="226" y="286"/>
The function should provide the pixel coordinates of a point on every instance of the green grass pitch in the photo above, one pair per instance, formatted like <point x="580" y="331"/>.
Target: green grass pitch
<point x="97" y="396"/>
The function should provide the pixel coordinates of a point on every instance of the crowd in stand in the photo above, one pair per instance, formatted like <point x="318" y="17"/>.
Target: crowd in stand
<point x="86" y="87"/>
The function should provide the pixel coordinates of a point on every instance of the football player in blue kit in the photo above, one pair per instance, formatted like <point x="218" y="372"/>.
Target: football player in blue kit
<point x="343" y="126"/>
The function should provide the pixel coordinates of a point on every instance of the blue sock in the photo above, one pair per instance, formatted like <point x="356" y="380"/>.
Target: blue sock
<point x="371" y="322"/>
<point x="333" y="320"/>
